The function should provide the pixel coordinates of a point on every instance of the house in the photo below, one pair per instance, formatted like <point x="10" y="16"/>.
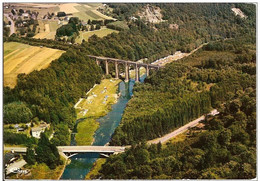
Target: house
<point x="16" y="126"/>
<point x="66" y="18"/>
<point x="36" y="131"/>
<point x="19" y="129"/>
<point x="25" y="15"/>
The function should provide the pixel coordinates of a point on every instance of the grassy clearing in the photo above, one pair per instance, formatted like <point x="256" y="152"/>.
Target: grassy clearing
<point x="100" y="33"/>
<point x="23" y="58"/>
<point x="86" y="129"/>
<point x="119" y="24"/>
<point x="180" y="137"/>
<point x="96" y="107"/>
<point x="95" y="169"/>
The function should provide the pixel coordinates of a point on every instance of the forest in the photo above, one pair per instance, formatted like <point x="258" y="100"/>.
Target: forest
<point x="185" y="90"/>
<point x="50" y="94"/>
<point x="224" y="149"/>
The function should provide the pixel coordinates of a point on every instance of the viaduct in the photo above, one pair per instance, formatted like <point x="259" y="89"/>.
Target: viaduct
<point x="127" y="64"/>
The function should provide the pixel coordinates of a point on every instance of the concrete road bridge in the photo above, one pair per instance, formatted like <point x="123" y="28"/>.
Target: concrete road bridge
<point x="73" y="150"/>
<point x="127" y="64"/>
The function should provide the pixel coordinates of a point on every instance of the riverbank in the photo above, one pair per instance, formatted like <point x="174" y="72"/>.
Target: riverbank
<point x="94" y="172"/>
<point x="97" y="104"/>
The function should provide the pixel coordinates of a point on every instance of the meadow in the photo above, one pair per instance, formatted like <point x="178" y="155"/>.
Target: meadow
<point x="96" y="107"/>
<point x="100" y="33"/>
<point x="89" y="11"/>
<point x="22" y="58"/>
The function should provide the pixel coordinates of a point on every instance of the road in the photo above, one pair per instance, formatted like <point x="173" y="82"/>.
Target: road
<point x="14" y="165"/>
<point x="12" y="27"/>
<point x="181" y="129"/>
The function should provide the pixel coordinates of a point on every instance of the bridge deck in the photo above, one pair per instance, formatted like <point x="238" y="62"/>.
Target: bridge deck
<point x="76" y="149"/>
<point x="124" y="61"/>
<point x="84" y="149"/>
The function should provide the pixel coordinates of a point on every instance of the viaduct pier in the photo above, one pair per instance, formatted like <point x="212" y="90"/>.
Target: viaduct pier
<point x="127" y="64"/>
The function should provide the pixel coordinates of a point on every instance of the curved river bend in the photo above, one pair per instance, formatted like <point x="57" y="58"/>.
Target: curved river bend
<point x="82" y="163"/>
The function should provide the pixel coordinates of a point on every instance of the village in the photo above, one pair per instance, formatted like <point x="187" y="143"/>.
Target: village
<point x="13" y="162"/>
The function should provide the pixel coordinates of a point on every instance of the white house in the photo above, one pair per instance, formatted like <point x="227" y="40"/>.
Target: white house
<point x="36" y="132"/>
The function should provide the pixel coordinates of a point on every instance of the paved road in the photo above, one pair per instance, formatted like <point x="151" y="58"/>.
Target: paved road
<point x="12" y="27"/>
<point x="181" y="129"/>
<point x="17" y="149"/>
<point x="18" y="164"/>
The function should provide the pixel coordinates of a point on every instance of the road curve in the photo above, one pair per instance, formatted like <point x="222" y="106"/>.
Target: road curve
<point x="181" y="129"/>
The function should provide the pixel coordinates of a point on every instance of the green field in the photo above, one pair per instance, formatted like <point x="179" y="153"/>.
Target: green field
<point x="97" y="107"/>
<point x="119" y="25"/>
<point x="88" y="11"/>
<point x="85" y="131"/>
<point x="100" y="33"/>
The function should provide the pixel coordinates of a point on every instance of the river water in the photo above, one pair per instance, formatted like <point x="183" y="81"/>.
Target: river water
<point x="82" y="163"/>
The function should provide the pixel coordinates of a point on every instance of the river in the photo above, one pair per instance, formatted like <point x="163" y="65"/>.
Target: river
<point x="82" y="163"/>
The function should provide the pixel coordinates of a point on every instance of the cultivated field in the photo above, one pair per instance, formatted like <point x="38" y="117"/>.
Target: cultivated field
<point x="23" y="58"/>
<point x="89" y="11"/>
<point x="100" y="33"/>
<point x="47" y="29"/>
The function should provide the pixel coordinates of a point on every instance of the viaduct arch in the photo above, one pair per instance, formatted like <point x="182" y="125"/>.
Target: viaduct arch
<point x="126" y="64"/>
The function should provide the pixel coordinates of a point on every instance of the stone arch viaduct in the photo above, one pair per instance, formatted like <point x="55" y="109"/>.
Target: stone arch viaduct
<point x="126" y="64"/>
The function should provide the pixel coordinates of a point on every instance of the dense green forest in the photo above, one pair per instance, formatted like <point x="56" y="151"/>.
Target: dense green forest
<point x="205" y="22"/>
<point x="226" y="150"/>
<point x="51" y="93"/>
<point x="186" y="89"/>
<point x="223" y="73"/>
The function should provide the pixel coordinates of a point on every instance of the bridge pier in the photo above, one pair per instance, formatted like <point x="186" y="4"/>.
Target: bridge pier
<point x="116" y="67"/>
<point x="136" y="73"/>
<point x="97" y="61"/>
<point x="107" y="70"/>
<point x="147" y="70"/>
<point x="126" y="72"/>
<point x="127" y="64"/>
